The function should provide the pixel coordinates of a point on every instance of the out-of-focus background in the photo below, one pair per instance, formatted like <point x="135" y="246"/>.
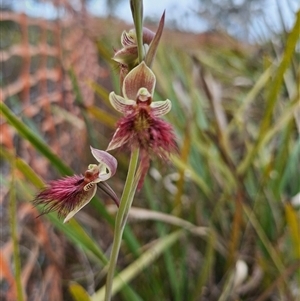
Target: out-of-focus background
<point x="221" y="221"/>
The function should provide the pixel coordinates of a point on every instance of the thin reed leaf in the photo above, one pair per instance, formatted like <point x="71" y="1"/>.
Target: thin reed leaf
<point x="193" y="174"/>
<point x="67" y="116"/>
<point x="282" y="122"/>
<point x="35" y="140"/>
<point x="102" y="116"/>
<point x="238" y="117"/>
<point x="133" y="270"/>
<point x="206" y="269"/>
<point x="151" y="215"/>
<point x="281" y="279"/>
<point x="162" y="232"/>
<point x="14" y="235"/>
<point x="294" y="229"/>
<point x="264" y="239"/>
<point x="77" y="234"/>
<point x="289" y="180"/>
<point x="78" y="292"/>
<point x="273" y="94"/>
<point x="100" y="91"/>
<point x="184" y="155"/>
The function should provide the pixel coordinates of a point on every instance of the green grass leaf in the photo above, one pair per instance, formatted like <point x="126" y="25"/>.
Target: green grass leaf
<point x="78" y="292"/>
<point x="274" y="91"/>
<point x="147" y="258"/>
<point x="34" y="139"/>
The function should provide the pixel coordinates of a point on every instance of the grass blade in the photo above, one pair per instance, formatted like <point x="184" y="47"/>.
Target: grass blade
<point x="78" y="292"/>
<point x="14" y="235"/>
<point x="35" y="140"/>
<point x="273" y="94"/>
<point x="140" y="264"/>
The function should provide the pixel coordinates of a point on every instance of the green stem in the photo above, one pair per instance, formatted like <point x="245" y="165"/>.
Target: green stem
<point x="137" y="14"/>
<point x="14" y="235"/>
<point x="121" y="218"/>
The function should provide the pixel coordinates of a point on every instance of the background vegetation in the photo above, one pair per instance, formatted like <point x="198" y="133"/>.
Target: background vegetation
<point x="220" y="222"/>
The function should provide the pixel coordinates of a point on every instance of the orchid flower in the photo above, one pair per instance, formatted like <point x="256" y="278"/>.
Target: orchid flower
<point x="70" y="194"/>
<point x="128" y="55"/>
<point x="140" y="126"/>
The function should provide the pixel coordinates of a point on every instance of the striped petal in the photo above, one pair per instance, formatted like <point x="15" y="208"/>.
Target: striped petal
<point x="121" y="104"/>
<point x="107" y="163"/>
<point x="117" y="141"/>
<point x="128" y="38"/>
<point x="139" y="77"/>
<point x="160" y="108"/>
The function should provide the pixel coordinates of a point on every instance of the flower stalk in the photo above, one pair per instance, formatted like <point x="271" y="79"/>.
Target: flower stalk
<point x="137" y="14"/>
<point x="122" y="215"/>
